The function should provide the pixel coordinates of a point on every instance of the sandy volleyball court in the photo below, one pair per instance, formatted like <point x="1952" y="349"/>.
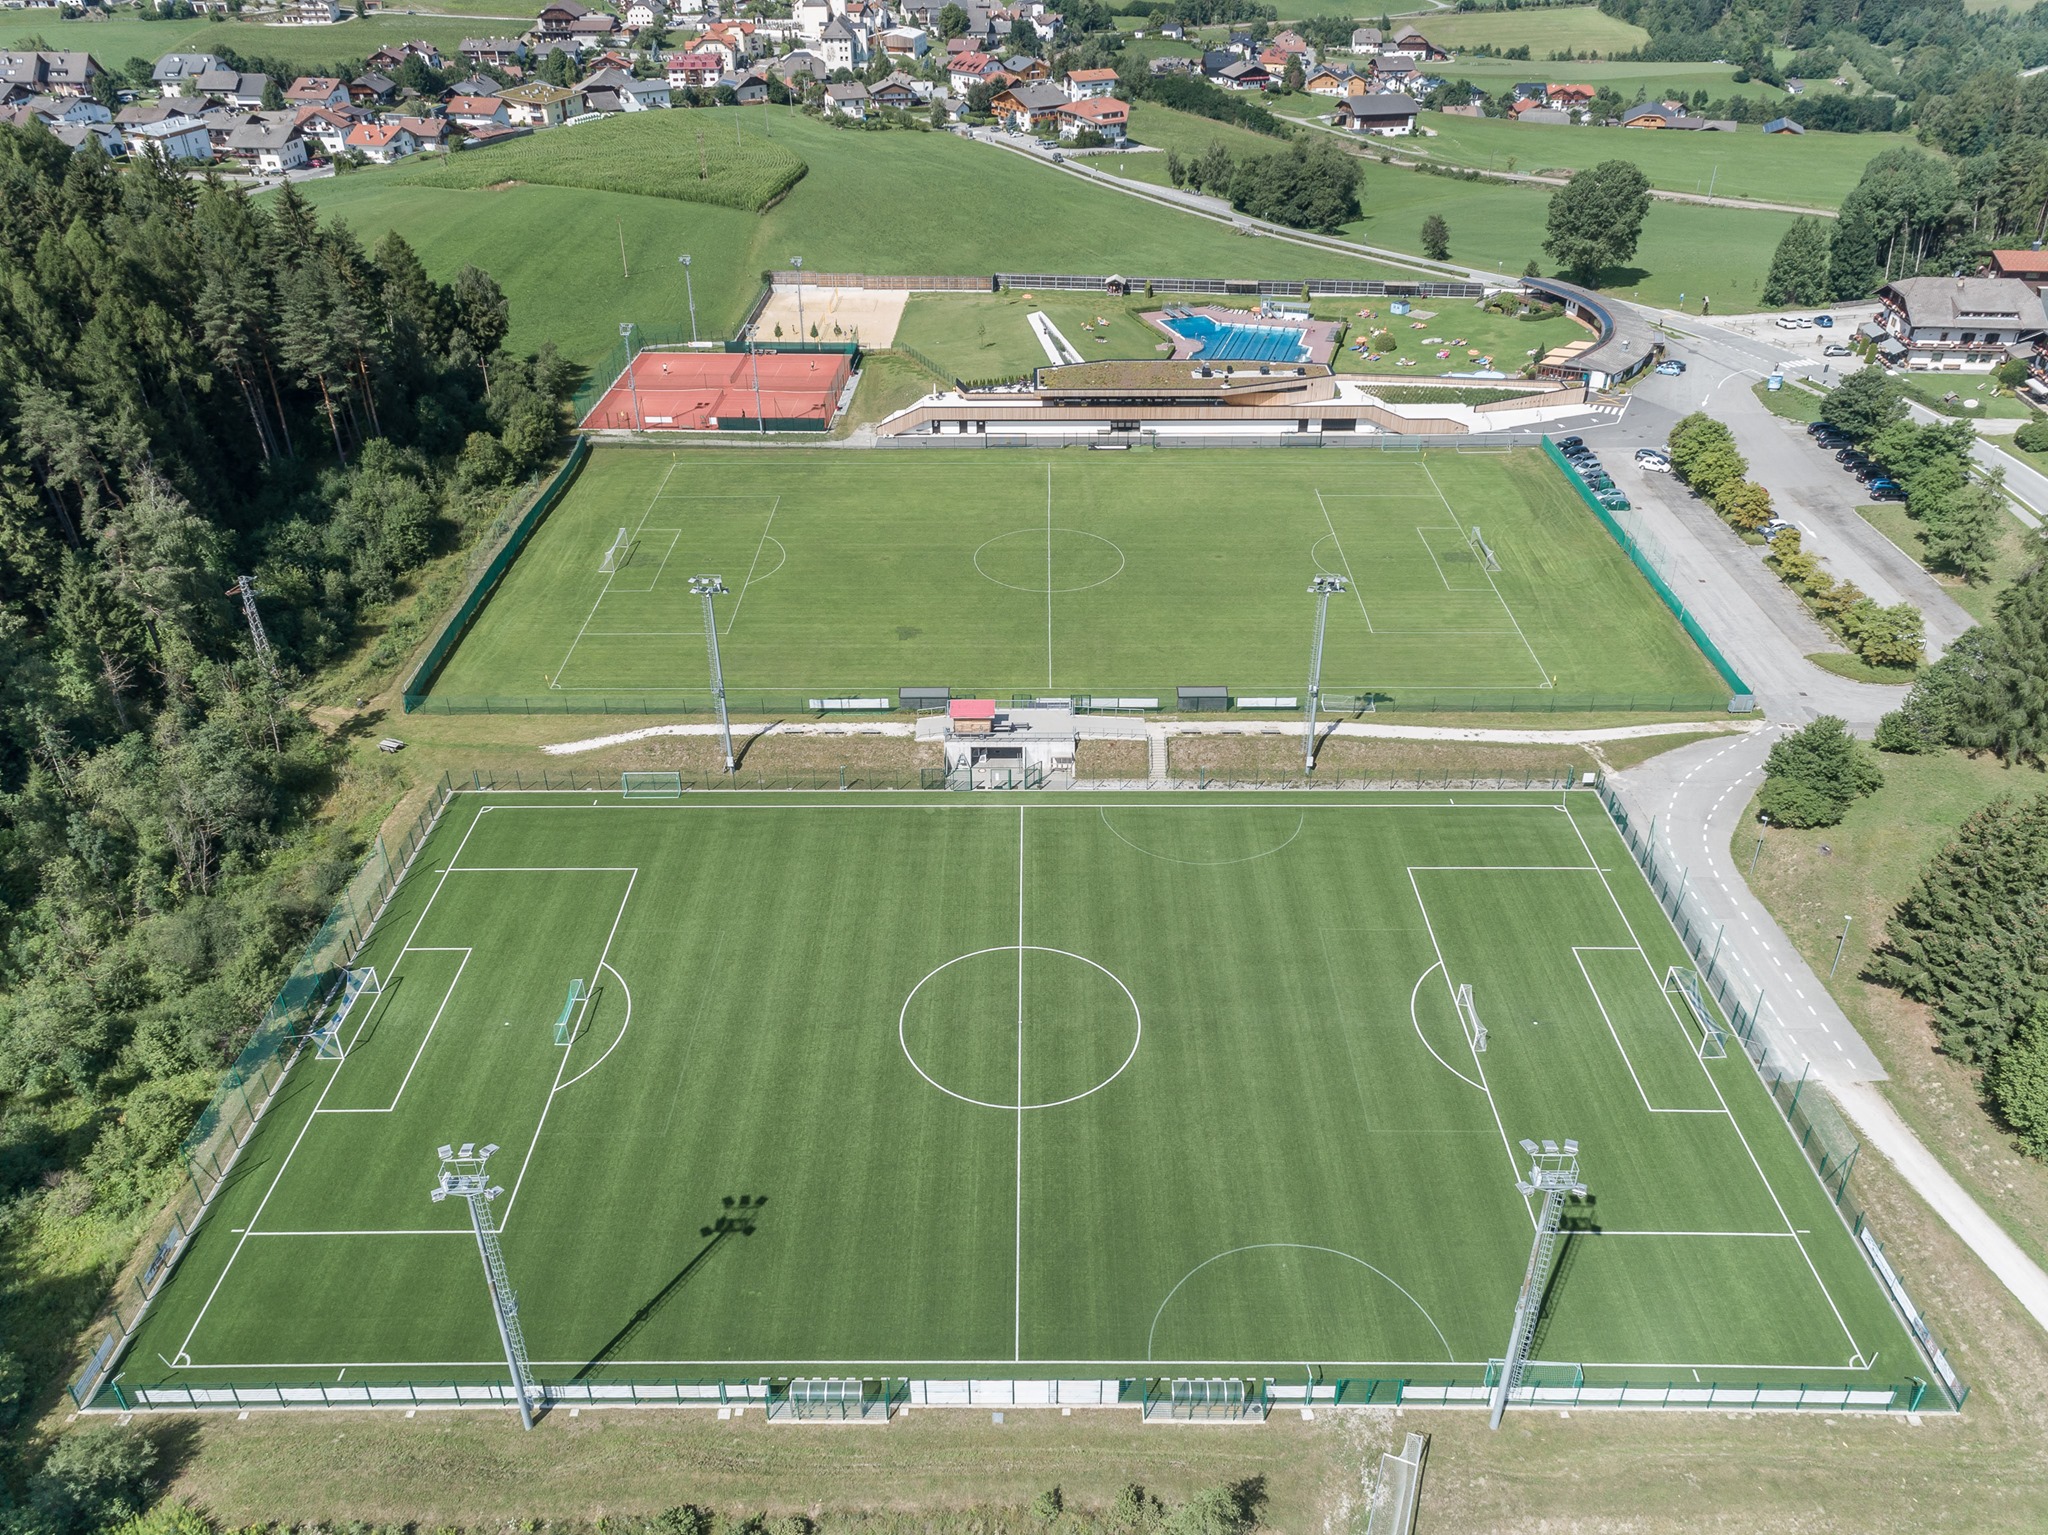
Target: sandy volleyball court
<point x="869" y="315"/>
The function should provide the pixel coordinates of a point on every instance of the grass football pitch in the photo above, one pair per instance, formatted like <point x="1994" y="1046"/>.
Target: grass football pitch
<point x="1102" y="574"/>
<point x="1084" y="1086"/>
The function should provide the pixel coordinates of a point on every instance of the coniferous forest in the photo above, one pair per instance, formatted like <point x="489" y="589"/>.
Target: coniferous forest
<point x="195" y="385"/>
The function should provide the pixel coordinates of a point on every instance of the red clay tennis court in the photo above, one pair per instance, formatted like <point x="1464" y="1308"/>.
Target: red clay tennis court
<point x="712" y="391"/>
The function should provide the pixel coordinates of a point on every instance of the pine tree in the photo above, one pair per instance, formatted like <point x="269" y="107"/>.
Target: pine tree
<point x="2009" y="712"/>
<point x="1813" y="775"/>
<point x="1436" y="238"/>
<point x="1799" y="270"/>
<point x="2018" y="1080"/>
<point x="1971" y="937"/>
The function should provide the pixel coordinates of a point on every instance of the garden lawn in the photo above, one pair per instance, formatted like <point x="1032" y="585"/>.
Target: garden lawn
<point x="987" y="335"/>
<point x="1580" y="28"/>
<point x="2019" y="547"/>
<point x="1993" y="403"/>
<point x="891" y="202"/>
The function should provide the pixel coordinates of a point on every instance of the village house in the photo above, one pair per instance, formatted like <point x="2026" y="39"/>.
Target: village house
<point x="536" y="104"/>
<point x="473" y="112"/>
<point x="498" y="52"/>
<point x="45" y="73"/>
<point x="900" y="91"/>
<point x="799" y="68"/>
<point x="910" y="43"/>
<point x="1084" y="83"/>
<point x="1411" y="44"/>
<point x="381" y="143"/>
<point x="1366" y="40"/>
<point x="325" y="126"/>
<point x="844" y="45"/>
<point x="1383" y="114"/>
<point x="557" y="17"/>
<point x="1783" y="125"/>
<point x="234" y="88"/>
<point x="173" y="69"/>
<point x="311" y="13"/>
<point x="694" y="68"/>
<point x="848" y="100"/>
<point x="1569" y="97"/>
<point x="316" y="91"/>
<point x="1956" y="324"/>
<point x="371" y="90"/>
<point x="749" y="87"/>
<point x="1102" y="114"/>
<point x="430" y="134"/>
<point x="1332" y="80"/>
<point x="175" y="139"/>
<point x="270" y="148"/>
<point x="1244" y="75"/>
<point x="1028" y="105"/>
<point x="613" y="90"/>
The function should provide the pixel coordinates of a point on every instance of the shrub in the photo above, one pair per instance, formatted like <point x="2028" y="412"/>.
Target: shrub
<point x="1813" y="775"/>
<point x="93" y="1478"/>
<point x="2032" y="436"/>
<point x="2018" y="1080"/>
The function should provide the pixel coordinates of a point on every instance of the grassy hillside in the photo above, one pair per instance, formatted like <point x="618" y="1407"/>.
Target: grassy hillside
<point x="1626" y="77"/>
<point x="115" y="41"/>
<point x="1813" y="170"/>
<point x="877" y="202"/>
<point x="1579" y="28"/>
<point x="679" y="155"/>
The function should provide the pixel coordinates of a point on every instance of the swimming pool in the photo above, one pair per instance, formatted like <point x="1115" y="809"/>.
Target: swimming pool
<point x="1219" y="342"/>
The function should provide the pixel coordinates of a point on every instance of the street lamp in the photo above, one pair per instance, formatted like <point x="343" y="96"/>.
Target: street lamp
<point x="709" y="587"/>
<point x="690" y="288"/>
<point x="797" y="262"/>
<point x="632" y="384"/>
<point x="1322" y="589"/>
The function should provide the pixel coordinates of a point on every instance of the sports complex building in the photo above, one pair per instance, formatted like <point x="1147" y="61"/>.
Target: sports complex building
<point x="990" y="1083"/>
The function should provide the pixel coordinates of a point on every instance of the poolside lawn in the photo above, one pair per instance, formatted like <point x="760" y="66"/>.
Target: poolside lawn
<point x="1458" y="328"/>
<point x="988" y="335"/>
<point x="1993" y="403"/>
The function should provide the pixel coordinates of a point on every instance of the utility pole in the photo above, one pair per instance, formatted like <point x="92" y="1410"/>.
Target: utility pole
<point x="1553" y="1173"/>
<point x="709" y="587"/>
<point x="245" y="588"/>
<point x="690" y="289"/>
<point x="463" y="1175"/>
<point x="1840" y="944"/>
<point x="1322" y="588"/>
<point x="797" y="262"/>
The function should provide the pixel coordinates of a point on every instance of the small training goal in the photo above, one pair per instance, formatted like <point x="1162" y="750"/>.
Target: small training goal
<point x="1468" y="1016"/>
<point x="650" y="785"/>
<point x="356" y="984"/>
<point x="1712" y="1044"/>
<point x="1482" y="550"/>
<point x="615" y="557"/>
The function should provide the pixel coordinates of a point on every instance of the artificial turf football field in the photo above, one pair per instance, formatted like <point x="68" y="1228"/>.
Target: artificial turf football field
<point x="1106" y="1087"/>
<point x="1117" y="574"/>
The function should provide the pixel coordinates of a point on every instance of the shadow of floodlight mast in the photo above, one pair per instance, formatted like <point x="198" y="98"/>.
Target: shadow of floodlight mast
<point x="737" y="1220"/>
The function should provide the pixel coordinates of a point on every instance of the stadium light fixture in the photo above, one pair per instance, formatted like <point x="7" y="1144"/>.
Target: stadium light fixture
<point x="797" y="265"/>
<point x="690" y="289"/>
<point x="632" y="383"/>
<point x="465" y="1175"/>
<point x="1552" y="1174"/>
<point x="710" y="587"/>
<point x="1322" y="588"/>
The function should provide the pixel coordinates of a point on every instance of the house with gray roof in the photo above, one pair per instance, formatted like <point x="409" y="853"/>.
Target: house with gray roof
<point x="1957" y="324"/>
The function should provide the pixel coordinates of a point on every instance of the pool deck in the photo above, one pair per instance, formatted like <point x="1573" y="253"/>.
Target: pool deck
<point x="1318" y="337"/>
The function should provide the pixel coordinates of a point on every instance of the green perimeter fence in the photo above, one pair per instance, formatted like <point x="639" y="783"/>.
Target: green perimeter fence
<point x="1648" y="556"/>
<point x="568" y="780"/>
<point x="677" y="337"/>
<point x="1830" y="1145"/>
<point x="498" y="562"/>
<point x="1246" y="1398"/>
<point x="740" y="701"/>
<point x="224" y="1127"/>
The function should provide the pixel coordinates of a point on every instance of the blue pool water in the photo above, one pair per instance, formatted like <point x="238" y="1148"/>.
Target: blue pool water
<point x="1238" y="343"/>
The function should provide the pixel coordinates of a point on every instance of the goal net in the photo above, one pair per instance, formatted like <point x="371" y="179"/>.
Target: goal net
<point x="615" y="557"/>
<point x="1397" y="1491"/>
<point x="1482" y="550"/>
<point x="1712" y="1044"/>
<point x="651" y="785"/>
<point x="356" y="984"/>
<point x="565" y="1025"/>
<point x="1468" y="1015"/>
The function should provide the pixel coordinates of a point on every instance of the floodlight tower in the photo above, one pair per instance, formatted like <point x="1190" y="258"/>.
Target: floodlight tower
<point x="797" y="263"/>
<point x="245" y="588"/>
<point x="463" y="1175"/>
<point x="690" y="289"/>
<point x="709" y="587"/>
<point x="1322" y="589"/>
<point x="632" y="383"/>
<point x="1554" y="1174"/>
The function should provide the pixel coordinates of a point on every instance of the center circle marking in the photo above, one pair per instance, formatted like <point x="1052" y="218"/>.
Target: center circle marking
<point x="1040" y="533"/>
<point x="903" y="1021"/>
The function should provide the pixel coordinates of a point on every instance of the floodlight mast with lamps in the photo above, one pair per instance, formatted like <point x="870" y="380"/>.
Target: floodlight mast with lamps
<point x="632" y="383"/>
<point x="464" y="1174"/>
<point x="1322" y="589"/>
<point x="709" y="587"/>
<point x="1554" y="1174"/>
<point x="797" y="264"/>
<point x="690" y="289"/>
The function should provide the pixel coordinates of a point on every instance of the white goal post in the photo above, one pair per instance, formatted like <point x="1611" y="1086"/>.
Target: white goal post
<point x="1712" y="1044"/>
<point x="1482" y="549"/>
<point x="615" y="557"/>
<point x="355" y="985"/>
<point x="651" y="785"/>
<point x="1468" y="1017"/>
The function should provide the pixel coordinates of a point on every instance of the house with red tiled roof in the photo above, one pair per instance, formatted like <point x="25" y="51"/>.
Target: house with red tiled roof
<point x="1083" y="83"/>
<point x="474" y="112"/>
<point x="381" y="143"/>
<point x="1103" y="114"/>
<point x="316" y="91"/>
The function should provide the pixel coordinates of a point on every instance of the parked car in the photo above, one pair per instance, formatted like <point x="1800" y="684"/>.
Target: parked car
<point x="1786" y="322"/>
<point x="1887" y="490"/>
<point x="1616" y="502"/>
<point x="1851" y="456"/>
<point x="1672" y="366"/>
<point x="1654" y="465"/>
<point x="1835" y="349"/>
<point x="1774" y="527"/>
<point x="1824" y="321"/>
<point x="1599" y="482"/>
<point x="1566" y="444"/>
<point x="1643" y="453"/>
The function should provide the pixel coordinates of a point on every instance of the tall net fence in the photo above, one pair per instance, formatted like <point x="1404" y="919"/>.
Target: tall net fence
<point x="251" y="1083"/>
<point x="1830" y="1144"/>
